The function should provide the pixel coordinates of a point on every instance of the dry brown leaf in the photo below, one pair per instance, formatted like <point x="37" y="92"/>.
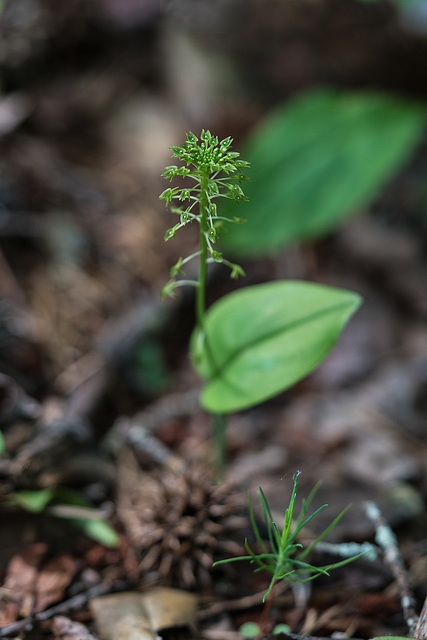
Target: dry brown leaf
<point x="52" y="581"/>
<point x="66" y="629"/>
<point x="141" y="616"/>
<point x="20" y="583"/>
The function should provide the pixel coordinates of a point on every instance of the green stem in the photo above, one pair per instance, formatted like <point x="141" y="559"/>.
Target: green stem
<point x="219" y="420"/>
<point x="201" y="289"/>
<point x="266" y="610"/>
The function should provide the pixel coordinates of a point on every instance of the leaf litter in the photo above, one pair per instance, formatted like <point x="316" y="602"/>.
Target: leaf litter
<point x="72" y="317"/>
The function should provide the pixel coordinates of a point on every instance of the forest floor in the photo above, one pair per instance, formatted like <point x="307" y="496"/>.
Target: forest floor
<point x="98" y="399"/>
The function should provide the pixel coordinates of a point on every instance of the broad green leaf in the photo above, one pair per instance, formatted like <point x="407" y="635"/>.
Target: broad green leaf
<point x="318" y="159"/>
<point x="281" y="628"/>
<point x="97" y="529"/>
<point x="2" y="447"/>
<point x="262" y="339"/>
<point x="34" y="501"/>
<point x="250" y="630"/>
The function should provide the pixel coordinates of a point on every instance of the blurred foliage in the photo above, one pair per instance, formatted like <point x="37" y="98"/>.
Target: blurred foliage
<point x="153" y="375"/>
<point x="318" y="159"/>
<point x="80" y="512"/>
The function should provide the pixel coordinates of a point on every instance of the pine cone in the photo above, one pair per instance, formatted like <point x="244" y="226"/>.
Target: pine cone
<point x="179" y="522"/>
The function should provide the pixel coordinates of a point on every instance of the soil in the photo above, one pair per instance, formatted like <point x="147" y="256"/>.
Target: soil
<point x="98" y="399"/>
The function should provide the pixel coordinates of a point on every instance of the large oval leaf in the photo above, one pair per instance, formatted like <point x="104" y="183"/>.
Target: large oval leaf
<point x="262" y="339"/>
<point x="316" y="160"/>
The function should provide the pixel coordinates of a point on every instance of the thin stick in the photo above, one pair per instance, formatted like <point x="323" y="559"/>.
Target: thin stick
<point x="421" y="630"/>
<point x="76" y="602"/>
<point x="386" y="539"/>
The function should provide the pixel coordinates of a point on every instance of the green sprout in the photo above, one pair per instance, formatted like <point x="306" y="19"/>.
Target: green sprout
<point x="286" y="558"/>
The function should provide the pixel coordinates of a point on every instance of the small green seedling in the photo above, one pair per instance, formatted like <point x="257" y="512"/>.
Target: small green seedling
<point x="260" y="340"/>
<point x="253" y="630"/>
<point x="286" y="559"/>
<point x="63" y="502"/>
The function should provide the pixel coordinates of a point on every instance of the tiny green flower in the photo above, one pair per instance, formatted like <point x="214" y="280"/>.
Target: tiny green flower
<point x="217" y="256"/>
<point x="176" y="269"/>
<point x="170" y="233"/>
<point x="236" y="271"/>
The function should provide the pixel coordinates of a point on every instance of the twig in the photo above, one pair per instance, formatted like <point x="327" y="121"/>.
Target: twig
<point x="76" y="602"/>
<point x="421" y="629"/>
<point x="172" y="406"/>
<point x="386" y="539"/>
<point x="138" y="430"/>
<point x="246" y="602"/>
<point x="73" y="429"/>
<point x="349" y="549"/>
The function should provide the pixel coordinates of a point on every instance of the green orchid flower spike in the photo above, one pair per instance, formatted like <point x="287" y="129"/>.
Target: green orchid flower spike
<point x="216" y="173"/>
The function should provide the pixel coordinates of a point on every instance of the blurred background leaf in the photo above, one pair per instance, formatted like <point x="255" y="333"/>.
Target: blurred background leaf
<point x="318" y="159"/>
<point x="64" y="502"/>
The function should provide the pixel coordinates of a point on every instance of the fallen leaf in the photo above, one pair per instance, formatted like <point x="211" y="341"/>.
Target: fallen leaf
<point x="170" y="608"/>
<point x="20" y="582"/>
<point x="52" y="581"/>
<point x="66" y="629"/>
<point x="142" y="616"/>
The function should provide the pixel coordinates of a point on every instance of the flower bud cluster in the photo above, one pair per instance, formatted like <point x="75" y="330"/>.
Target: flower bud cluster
<point x="206" y="160"/>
